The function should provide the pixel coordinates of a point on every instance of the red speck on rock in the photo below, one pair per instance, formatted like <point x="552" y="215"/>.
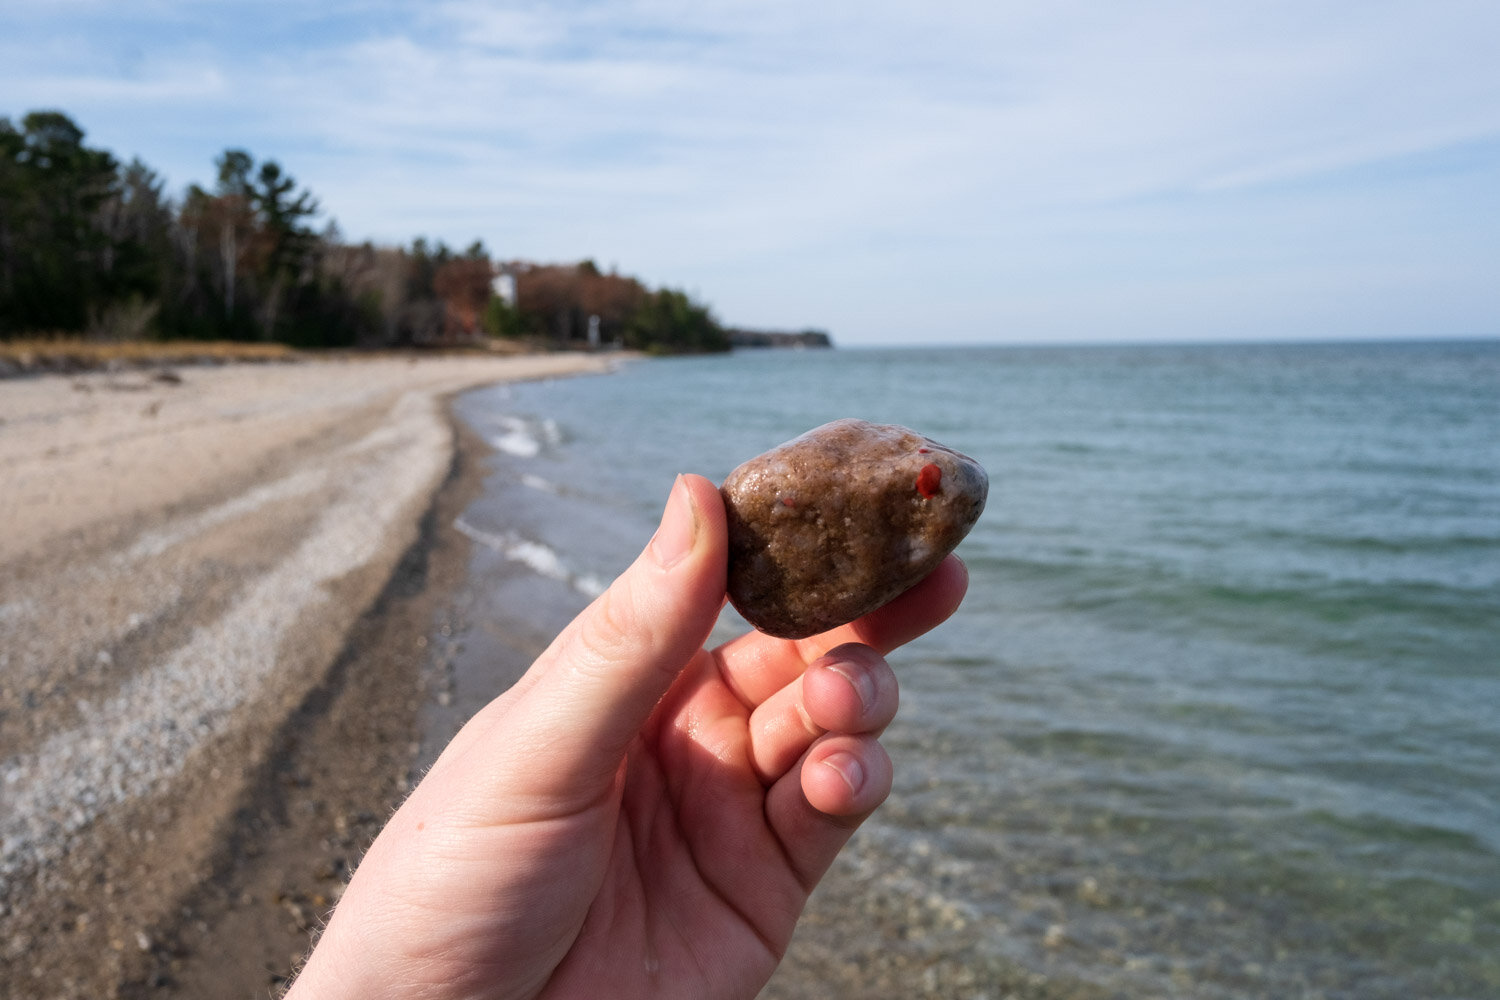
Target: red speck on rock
<point x="788" y="502"/>
<point x="929" y="481"/>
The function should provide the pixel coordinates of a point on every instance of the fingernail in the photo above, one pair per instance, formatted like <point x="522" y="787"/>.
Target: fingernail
<point x="860" y="680"/>
<point x="848" y="767"/>
<point x="679" y="528"/>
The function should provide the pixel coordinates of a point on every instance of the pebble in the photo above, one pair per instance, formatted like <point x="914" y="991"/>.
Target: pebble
<point x="833" y="524"/>
<point x="122" y="747"/>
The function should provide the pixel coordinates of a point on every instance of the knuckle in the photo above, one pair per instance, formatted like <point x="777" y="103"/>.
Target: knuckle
<point x="611" y="631"/>
<point x="805" y="720"/>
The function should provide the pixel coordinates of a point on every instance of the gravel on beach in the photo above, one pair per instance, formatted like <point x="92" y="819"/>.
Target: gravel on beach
<point x="199" y="573"/>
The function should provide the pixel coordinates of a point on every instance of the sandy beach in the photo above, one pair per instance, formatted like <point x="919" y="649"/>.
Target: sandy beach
<point x="216" y="588"/>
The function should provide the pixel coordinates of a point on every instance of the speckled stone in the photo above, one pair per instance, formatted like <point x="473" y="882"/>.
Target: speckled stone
<point x="835" y="523"/>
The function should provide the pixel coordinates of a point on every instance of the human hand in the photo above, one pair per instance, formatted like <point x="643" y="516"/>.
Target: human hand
<point x="637" y="816"/>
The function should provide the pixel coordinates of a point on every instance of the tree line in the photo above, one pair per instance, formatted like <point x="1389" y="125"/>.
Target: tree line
<point x="95" y="248"/>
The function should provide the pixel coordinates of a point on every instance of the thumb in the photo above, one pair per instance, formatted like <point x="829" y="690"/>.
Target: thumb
<point x="587" y="696"/>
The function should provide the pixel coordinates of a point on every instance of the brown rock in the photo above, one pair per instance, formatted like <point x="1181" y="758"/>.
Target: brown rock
<point x="835" y="523"/>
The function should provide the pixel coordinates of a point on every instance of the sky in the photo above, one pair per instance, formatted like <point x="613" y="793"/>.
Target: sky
<point x="953" y="171"/>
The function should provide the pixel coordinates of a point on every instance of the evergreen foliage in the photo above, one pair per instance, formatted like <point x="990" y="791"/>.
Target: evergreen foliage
<point x="91" y="248"/>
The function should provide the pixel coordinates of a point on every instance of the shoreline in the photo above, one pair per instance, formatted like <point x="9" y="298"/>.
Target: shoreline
<point x="342" y="763"/>
<point x="199" y="862"/>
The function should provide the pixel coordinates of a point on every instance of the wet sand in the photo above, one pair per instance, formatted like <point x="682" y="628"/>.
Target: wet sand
<point x="217" y="588"/>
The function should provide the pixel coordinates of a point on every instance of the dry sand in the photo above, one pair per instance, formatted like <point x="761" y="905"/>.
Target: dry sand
<point x="216" y="586"/>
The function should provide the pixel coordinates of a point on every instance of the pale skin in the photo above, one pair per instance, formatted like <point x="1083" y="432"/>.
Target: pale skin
<point x="638" y="816"/>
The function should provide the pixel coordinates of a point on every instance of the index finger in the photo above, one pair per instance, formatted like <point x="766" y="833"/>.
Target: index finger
<point x="755" y="665"/>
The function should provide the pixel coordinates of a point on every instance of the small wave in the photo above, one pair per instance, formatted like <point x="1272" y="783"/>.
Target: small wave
<point x="516" y="438"/>
<point x="538" y="557"/>
<point x="540" y="484"/>
<point x="1395" y="543"/>
<point x="535" y="556"/>
<point x="589" y="585"/>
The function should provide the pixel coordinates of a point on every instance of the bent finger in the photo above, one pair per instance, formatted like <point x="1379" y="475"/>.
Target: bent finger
<point x="850" y="689"/>
<point x="815" y="808"/>
<point x="756" y="665"/>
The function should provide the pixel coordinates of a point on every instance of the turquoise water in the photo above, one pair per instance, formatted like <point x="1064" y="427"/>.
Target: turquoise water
<point x="1221" y="714"/>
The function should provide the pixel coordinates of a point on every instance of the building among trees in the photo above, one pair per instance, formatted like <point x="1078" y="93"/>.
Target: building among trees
<point x="93" y="248"/>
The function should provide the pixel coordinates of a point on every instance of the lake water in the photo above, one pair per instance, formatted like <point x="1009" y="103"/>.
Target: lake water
<point x="1220" y="716"/>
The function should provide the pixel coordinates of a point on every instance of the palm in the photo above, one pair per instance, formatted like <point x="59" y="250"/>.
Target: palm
<point x="699" y="895"/>
<point x="707" y="860"/>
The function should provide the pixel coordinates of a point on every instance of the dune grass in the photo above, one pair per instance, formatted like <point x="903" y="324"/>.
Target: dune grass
<point x="71" y="353"/>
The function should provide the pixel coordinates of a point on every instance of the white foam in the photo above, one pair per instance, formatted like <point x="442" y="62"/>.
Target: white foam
<point x="485" y="538"/>
<point x="517" y="439"/>
<point x="589" y="585"/>
<point x="538" y="483"/>
<point x="539" y="558"/>
<point x="517" y="444"/>
<point x="535" y="556"/>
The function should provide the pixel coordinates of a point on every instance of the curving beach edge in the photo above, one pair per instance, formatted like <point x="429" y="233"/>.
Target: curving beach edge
<point x="217" y="586"/>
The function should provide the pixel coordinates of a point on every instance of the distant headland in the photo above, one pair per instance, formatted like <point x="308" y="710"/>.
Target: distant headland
<point x="772" y="338"/>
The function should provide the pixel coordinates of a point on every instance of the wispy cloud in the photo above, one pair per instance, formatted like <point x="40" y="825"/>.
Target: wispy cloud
<point x="1048" y="166"/>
